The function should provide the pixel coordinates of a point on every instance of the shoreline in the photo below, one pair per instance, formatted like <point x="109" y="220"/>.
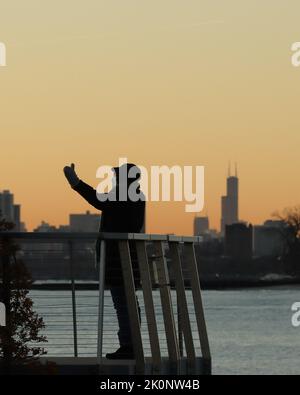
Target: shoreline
<point x="222" y="284"/>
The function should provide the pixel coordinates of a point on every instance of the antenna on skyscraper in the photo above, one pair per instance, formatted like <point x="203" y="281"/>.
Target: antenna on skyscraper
<point x="229" y="169"/>
<point x="236" y="173"/>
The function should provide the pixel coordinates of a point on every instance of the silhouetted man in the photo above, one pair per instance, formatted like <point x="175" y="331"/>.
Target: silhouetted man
<point x="123" y="215"/>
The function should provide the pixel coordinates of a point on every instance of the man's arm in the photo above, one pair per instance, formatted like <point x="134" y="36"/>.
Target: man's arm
<point x="89" y="194"/>
<point x="85" y="190"/>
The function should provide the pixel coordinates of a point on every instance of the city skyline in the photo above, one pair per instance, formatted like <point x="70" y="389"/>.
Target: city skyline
<point x="200" y="223"/>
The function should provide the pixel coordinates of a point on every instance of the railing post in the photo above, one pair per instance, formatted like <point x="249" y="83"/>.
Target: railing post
<point x="101" y="300"/>
<point x="198" y="305"/>
<point x="179" y="326"/>
<point x="181" y="300"/>
<point x="149" y="305"/>
<point x="166" y="302"/>
<point x="73" y="299"/>
<point x="135" y="326"/>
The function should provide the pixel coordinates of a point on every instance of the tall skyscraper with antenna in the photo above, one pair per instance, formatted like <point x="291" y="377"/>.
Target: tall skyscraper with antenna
<point x="230" y="202"/>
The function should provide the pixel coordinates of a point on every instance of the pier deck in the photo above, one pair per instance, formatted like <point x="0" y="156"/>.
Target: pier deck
<point x="90" y="366"/>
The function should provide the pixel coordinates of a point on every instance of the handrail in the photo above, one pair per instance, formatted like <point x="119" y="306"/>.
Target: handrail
<point x="62" y="236"/>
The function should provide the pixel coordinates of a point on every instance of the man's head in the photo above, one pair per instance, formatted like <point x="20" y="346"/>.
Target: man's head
<point x="127" y="173"/>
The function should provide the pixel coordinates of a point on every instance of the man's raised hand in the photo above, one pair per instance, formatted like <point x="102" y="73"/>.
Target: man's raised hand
<point x="71" y="175"/>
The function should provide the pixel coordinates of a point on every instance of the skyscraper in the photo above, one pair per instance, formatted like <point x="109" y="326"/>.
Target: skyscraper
<point x="10" y="211"/>
<point x="201" y="225"/>
<point x="239" y="241"/>
<point x="229" y="202"/>
<point x="84" y="222"/>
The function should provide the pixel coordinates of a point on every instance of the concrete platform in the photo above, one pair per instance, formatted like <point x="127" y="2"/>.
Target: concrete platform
<point x="90" y="366"/>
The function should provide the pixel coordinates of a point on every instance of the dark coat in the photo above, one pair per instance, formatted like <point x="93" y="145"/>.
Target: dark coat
<point x="117" y="216"/>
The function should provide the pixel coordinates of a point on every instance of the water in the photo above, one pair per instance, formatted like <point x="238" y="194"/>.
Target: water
<point x="250" y="330"/>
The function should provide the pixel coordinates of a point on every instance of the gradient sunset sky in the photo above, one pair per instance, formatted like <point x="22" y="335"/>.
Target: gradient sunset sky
<point x="161" y="82"/>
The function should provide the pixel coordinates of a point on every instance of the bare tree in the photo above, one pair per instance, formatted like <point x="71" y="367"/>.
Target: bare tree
<point x="23" y="324"/>
<point x="291" y="234"/>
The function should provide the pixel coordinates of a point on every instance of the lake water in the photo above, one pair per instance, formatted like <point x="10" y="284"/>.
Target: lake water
<point x="250" y="330"/>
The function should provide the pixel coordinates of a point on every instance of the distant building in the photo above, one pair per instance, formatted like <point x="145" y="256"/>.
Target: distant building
<point x="211" y="234"/>
<point x="230" y="202"/>
<point x="64" y="228"/>
<point x="278" y="223"/>
<point x="201" y="226"/>
<point x="23" y="227"/>
<point x="239" y="241"/>
<point x="84" y="222"/>
<point x="45" y="227"/>
<point x="269" y="239"/>
<point x="10" y="211"/>
<point x="17" y="216"/>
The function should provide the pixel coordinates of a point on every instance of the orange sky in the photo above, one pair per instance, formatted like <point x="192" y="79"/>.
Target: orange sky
<point x="159" y="82"/>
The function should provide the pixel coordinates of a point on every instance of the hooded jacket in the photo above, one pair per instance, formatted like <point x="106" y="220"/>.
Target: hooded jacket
<point x="117" y="216"/>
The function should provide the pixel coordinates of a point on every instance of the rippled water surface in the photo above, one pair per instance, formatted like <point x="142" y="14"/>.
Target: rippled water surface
<point x="250" y="330"/>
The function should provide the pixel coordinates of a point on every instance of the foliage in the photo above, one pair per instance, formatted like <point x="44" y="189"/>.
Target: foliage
<point x="291" y="234"/>
<point x="23" y="324"/>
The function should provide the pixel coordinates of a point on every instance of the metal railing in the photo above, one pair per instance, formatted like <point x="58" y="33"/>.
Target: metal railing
<point x="177" y="339"/>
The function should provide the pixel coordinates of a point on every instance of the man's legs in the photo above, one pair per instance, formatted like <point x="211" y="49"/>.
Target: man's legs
<point x="120" y="305"/>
